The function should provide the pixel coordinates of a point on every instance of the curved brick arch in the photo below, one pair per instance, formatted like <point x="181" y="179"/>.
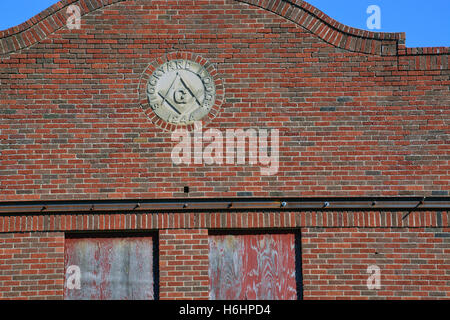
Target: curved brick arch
<point x="45" y="23"/>
<point x="332" y="31"/>
<point x="300" y="12"/>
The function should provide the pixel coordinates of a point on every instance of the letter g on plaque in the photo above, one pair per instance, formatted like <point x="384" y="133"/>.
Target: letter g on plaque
<point x="181" y="90"/>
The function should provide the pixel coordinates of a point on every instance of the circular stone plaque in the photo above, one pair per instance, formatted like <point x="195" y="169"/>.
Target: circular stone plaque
<point x="181" y="91"/>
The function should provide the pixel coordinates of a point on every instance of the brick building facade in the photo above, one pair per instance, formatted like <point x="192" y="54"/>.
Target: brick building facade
<point x="361" y="176"/>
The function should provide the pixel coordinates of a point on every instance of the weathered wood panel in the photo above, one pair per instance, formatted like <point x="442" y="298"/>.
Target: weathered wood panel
<point x="110" y="268"/>
<point x="258" y="266"/>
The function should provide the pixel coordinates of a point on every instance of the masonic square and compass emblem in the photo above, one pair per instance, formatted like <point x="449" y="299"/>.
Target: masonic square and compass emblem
<point x="181" y="91"/>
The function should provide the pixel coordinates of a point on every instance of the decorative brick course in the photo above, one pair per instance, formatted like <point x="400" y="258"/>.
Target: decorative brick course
<point x="223" y="220"/>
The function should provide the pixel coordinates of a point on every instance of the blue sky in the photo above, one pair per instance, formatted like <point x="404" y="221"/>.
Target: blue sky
<point x="426" y="23"/>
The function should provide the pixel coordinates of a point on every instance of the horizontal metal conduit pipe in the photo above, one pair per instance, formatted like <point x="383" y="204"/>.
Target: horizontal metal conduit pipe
<point x="284" y="204"/>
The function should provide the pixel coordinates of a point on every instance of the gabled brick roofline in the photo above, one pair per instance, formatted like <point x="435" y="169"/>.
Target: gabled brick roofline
<point x="45" y="23"/>
<point x="300" y="12"/>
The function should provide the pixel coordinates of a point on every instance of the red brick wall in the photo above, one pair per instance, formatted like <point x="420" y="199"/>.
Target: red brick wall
<point x="358" y="113"/>
<point x="414" y="263"/>
<point x="183" y="264"/>
<point x="31" y="265"/>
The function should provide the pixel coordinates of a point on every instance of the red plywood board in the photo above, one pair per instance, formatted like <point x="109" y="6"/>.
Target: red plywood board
<point x="251" y="267"/>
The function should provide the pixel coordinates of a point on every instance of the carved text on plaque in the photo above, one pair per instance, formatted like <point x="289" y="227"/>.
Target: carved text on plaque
<point x="181" y="91"/>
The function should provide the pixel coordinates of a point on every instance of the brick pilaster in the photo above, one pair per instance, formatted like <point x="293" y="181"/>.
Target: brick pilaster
<point x="183" y="264"/>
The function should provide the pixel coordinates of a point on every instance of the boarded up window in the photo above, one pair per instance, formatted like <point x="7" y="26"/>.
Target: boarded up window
<point x="257" y="266"/>
<point x="109" y="268"/>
